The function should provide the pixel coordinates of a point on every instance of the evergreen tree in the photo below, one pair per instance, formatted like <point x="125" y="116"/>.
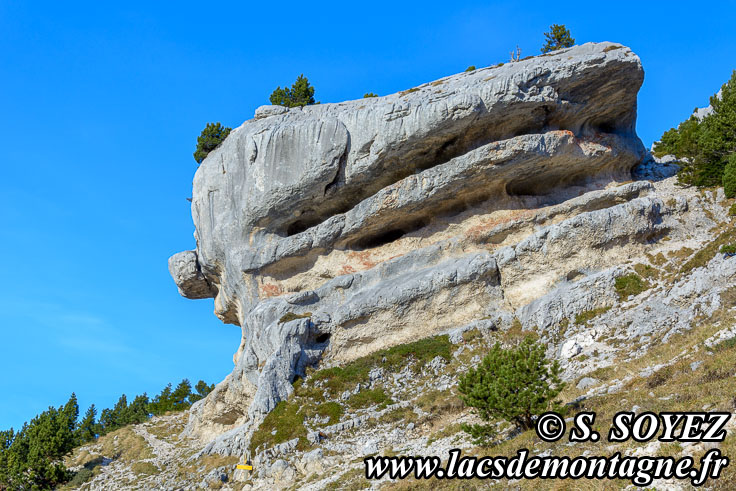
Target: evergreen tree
<point x="32" y="457"/>
<point x="717" y="139"/>
<point x="87" y="428"/>
<point x="32" y="460"/>
<point x="13" y="461"/>
<point x="212" y="135"/>
<point x="162" y="402"/>
<point x="137" y="411"/>
<point x="112" y="419"/>
<point x="729" y="177"/>
<point x="118" y="412"/>
<point x="180" y="396"/>
<point x="681" y="141"/>
<point x="300" y="94"/>
<point x="202" y="390"/>
<point x="512" y="384"/>
<point x="6" y="440"/>
<point x="67" y="424"/>
<point x="558" y="37"/>
<point x="106" y="423"/>
<point x="706" y="144"/>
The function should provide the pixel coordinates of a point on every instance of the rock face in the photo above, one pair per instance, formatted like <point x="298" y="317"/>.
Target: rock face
<point x="331" y="231"/>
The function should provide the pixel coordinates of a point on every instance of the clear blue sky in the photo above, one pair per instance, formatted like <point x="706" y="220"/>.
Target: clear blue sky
<point x="100" y="106"/>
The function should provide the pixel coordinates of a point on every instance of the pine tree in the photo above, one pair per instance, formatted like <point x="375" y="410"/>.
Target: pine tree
<point x="162" y="402"/>
<point x="87" y="428"/>
<point x="729" y="177"/>
<point x="6" y="440"/>
<point x="67" y="424"/>
<point x="300" y="94"/>
<point x="137" y="411"/>
<point x="33" y="459"/>
<point x="112" y="419"/>
<point x="212" y="135"/>
<point x="512" y="384"/>
<point x="202" y="390"/>
<point x="681" y="141"/>
<point x="180" y="396"/>
<point x="118" y="412"/>
<point x="717" y="139"/>
<point x="106" y="423"/>
<point x="558" y="37"/>
<point x="707" y="143"/>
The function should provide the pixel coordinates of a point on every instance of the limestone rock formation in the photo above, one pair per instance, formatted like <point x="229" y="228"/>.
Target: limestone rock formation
<point x="331" y="231"/>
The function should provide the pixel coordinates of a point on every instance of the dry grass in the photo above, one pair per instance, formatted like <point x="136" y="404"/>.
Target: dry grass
<point x="144" y="468"/>
<point x="708" y="252"/>
<point x="408" y="91"/>
<point x="673" y="388"/>
<point x="124" y="444"/>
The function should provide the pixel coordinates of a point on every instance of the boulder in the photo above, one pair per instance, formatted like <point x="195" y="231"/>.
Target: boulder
<point x="330" y="231"/>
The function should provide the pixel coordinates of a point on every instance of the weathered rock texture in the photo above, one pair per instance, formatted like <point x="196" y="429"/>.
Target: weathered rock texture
<point x="331" y="231"/>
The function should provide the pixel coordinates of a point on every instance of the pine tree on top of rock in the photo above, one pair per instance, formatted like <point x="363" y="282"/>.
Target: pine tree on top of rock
<point x="300" y="94"/>
<point x="212" y="135"/>
<point x="558" y="37"/>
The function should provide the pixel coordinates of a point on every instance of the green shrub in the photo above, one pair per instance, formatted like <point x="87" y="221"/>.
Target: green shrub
<point x="300" y="94"/>
<point x="332" y="410"/>
<point x="338" y="379"/>
<point x="732" y="210"/>
<point x="646" y="271"/>
<point x="729" y="177"/>
<point x="709" y="251"/>
<point x="511" y="384"/>
<point x="725" y="345"/>
<point x="212" y="135"/>
<point x="728" y="249"/>
<point x="630" y="284"/>
<point x="371" y="397"/>
<point x="471" y="68"/>
<point x="81" y="477"/>
<point x="584" y="317"/>
<point x="284" y="423"/>
<point x="558" y="37"/>
<point x="369" y="94"/>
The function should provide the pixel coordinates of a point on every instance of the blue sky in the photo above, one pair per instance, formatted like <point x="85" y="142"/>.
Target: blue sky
<point x="100" y="107"/>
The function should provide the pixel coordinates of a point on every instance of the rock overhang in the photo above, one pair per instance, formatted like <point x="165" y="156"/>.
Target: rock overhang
<point x="291" y="188"/>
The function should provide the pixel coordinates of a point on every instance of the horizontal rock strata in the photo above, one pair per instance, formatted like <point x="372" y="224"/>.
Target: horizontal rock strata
<point x="331" y="231"/>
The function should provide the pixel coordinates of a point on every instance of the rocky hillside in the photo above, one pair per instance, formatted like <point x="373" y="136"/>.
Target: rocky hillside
<point x="372" y="251"/>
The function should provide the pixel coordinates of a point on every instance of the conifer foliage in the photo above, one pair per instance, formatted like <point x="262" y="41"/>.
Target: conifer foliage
<point x="558" y="37"/>
<point x="212" y="135"/>
<point x="31" y="458"/>
<point x="705" y="145"/>
<point x="301" y="93"/>
<point x="729" y="177"/>
<point x="514" y="384"/>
